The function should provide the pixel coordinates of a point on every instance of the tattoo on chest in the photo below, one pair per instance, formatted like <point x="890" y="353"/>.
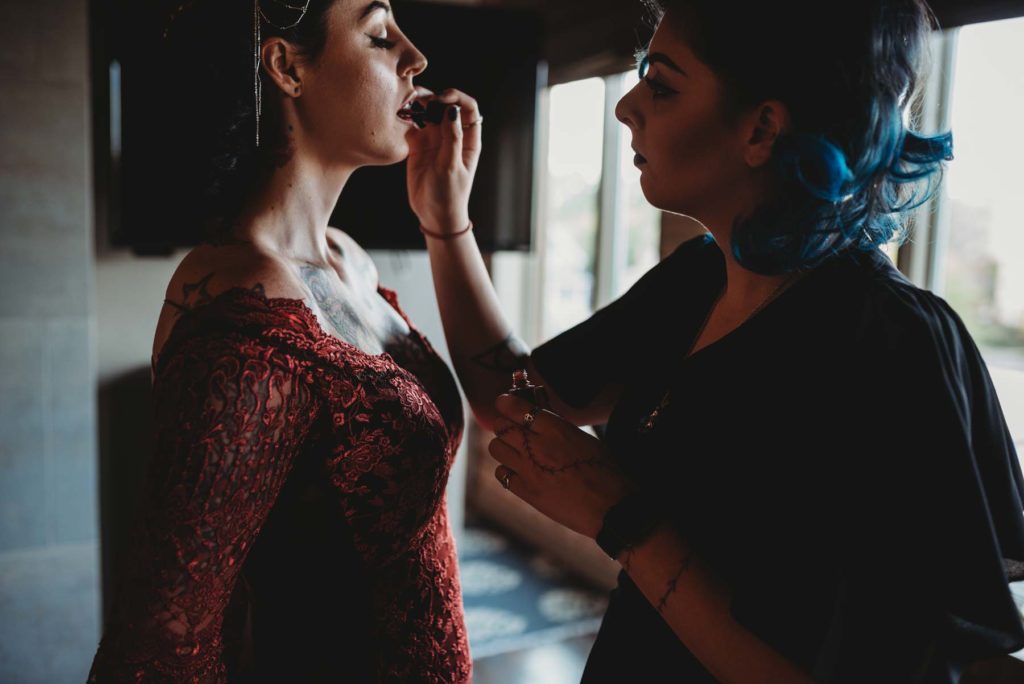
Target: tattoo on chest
<point x="506" y="356"/>
<point x="339" y="313"/>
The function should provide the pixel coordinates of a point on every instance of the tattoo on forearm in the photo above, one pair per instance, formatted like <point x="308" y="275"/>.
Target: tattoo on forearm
<point x="672" y="584"/>
<point x="506" y="356"/>
<point x="627" y="560"/>
<point x="339" y="312"/>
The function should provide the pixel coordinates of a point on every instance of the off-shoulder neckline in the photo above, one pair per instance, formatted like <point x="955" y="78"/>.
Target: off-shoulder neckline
<point x="298" y="305"/>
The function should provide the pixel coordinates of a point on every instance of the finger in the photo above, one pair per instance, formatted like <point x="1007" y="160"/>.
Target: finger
<point x="511" y="433"/>
<point x="469" y="106"/>
<point x="507" y="477"/>
<point x="472" y="144"/>
<point x="515" y="409"/>
<point x="451" y="139"/>
<point x="507" y="455"/>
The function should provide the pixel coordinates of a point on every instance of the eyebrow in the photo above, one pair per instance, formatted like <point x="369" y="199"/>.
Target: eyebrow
<point x="662" y="58"/>
<point x="373" y="7"/>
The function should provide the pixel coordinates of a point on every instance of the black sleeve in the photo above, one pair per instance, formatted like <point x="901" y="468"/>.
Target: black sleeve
<point x="633" y="333"/>
<point x="935" y="512"/>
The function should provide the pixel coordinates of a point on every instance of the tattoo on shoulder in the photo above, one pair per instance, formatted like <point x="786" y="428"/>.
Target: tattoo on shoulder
<point x="193" y="295"/>
<point x="506" y="356"/>
<point x="673" y="584"/>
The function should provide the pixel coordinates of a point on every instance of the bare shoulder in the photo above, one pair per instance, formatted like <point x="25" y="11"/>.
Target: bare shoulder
<point x="355" y="256"/>
<point x="207" y="271"/>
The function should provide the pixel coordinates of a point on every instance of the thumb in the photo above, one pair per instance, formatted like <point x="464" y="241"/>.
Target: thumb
<point x="451" y="138"/>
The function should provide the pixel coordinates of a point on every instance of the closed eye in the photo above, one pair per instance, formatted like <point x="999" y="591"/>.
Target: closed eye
<point x="657" y="89"/>
<point x="379" y="42"/>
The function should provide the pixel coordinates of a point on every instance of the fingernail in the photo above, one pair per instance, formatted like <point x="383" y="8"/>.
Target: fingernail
<point x="453" y="113"/>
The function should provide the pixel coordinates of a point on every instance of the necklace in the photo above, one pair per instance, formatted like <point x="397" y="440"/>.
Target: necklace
<point x="647" y="424"/>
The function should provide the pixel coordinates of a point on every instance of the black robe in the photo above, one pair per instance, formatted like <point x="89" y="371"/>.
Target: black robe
<point x="840" y="460"/>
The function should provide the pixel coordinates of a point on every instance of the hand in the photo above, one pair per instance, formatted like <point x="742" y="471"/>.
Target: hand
<point x="442" y="162"/>
<point x="562" y="471"/>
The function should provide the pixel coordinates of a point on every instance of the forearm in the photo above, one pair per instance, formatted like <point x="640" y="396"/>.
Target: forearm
<point x="695" y="604"/>
<point x="482" y="344"/>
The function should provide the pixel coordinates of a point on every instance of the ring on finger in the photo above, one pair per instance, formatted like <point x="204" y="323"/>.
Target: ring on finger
<point x="507" y="477"/>
<point x="478" y="121"/>
<point x="531" y="415"/>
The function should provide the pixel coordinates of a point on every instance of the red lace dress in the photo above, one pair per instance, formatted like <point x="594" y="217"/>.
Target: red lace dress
<point x="294" y="526"/>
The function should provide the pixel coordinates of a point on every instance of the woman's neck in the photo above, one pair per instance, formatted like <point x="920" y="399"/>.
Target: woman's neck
<point x="744" y="289"/>
<point x="289" y="218"/>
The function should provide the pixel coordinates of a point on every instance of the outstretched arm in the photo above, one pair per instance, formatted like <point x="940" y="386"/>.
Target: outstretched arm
<point x="483" y="346"/>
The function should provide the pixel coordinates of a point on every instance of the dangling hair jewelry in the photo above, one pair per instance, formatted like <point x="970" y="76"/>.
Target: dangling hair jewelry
<point x="257" y="14"/>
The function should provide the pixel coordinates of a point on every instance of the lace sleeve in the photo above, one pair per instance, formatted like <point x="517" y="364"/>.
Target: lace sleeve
<point x="231" y="417"/>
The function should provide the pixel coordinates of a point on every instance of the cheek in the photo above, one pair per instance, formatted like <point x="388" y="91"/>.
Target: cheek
<point x="699" y="156"/>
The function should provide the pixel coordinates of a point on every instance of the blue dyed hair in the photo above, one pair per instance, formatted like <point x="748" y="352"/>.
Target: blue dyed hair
<point x="847" y="70"/>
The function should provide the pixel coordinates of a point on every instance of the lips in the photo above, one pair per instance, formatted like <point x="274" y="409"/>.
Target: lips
<point x="639" y="159"/>
<point x="421" y="115"/>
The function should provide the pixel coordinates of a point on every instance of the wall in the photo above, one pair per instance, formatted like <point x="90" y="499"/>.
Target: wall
<point x="49" y="600"/>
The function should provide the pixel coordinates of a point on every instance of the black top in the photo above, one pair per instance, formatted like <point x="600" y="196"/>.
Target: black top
<point x="840" y="460"/>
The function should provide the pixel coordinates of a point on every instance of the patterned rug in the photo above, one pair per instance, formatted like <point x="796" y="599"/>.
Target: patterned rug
<point x="515" y="598"/>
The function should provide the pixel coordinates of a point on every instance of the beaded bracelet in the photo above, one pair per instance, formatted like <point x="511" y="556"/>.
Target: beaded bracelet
<point x="446" y="236"/>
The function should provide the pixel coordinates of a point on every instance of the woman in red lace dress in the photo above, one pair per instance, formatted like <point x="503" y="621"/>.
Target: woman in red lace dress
<point x="294" y="525"/>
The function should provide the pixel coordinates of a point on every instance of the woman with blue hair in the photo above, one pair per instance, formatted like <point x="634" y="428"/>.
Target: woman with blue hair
<point x="806" y="474"/>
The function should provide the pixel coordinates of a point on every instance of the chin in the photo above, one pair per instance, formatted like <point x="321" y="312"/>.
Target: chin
<point x="395" y="154"/>
<point x="653" y="197"/>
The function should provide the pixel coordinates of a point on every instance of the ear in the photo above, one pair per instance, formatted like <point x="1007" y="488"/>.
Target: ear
<point x="279" y="61"/>
<point x="765" y="123"/>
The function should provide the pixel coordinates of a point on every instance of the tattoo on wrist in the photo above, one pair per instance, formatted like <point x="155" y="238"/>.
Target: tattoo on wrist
<point x="506" y="356"/>
<point x="672" y="584"/>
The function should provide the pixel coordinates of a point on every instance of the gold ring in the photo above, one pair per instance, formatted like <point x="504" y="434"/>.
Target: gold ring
<point x="506" y="477"/>
<point x="473" y="123"/>
<point x="531" y="415"/>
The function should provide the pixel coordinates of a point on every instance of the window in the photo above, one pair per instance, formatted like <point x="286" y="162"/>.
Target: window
<point x="979" y="248"/>
<point x="597" y="233"/>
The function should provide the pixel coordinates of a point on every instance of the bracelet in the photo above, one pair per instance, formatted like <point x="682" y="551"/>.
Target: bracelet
<point x="446" y="236"/>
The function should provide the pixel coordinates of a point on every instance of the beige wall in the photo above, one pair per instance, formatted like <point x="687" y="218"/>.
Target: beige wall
<point x="49" y="579"/>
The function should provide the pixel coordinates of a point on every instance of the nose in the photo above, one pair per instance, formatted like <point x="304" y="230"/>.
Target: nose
<point x="624" y="110"/>
<point x="413" y="62"/>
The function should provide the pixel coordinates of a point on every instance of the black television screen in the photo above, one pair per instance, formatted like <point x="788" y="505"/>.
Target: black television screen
<point x="147" y="183"/>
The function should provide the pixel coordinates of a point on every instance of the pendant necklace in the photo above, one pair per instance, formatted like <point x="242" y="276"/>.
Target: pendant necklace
<point x="647" y="423"/>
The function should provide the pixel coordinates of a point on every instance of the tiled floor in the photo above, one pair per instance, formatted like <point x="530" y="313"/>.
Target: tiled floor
<point x="559" y="663"/>
<point x="562" y="663"/>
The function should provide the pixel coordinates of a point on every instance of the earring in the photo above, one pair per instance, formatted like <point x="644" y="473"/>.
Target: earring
<point x="257" y="39"/>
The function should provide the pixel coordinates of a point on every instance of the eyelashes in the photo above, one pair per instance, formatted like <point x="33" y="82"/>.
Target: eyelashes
<point x="382" y="43"/>
<point x="657" y="90"/>
<point x="643" y="66"/>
